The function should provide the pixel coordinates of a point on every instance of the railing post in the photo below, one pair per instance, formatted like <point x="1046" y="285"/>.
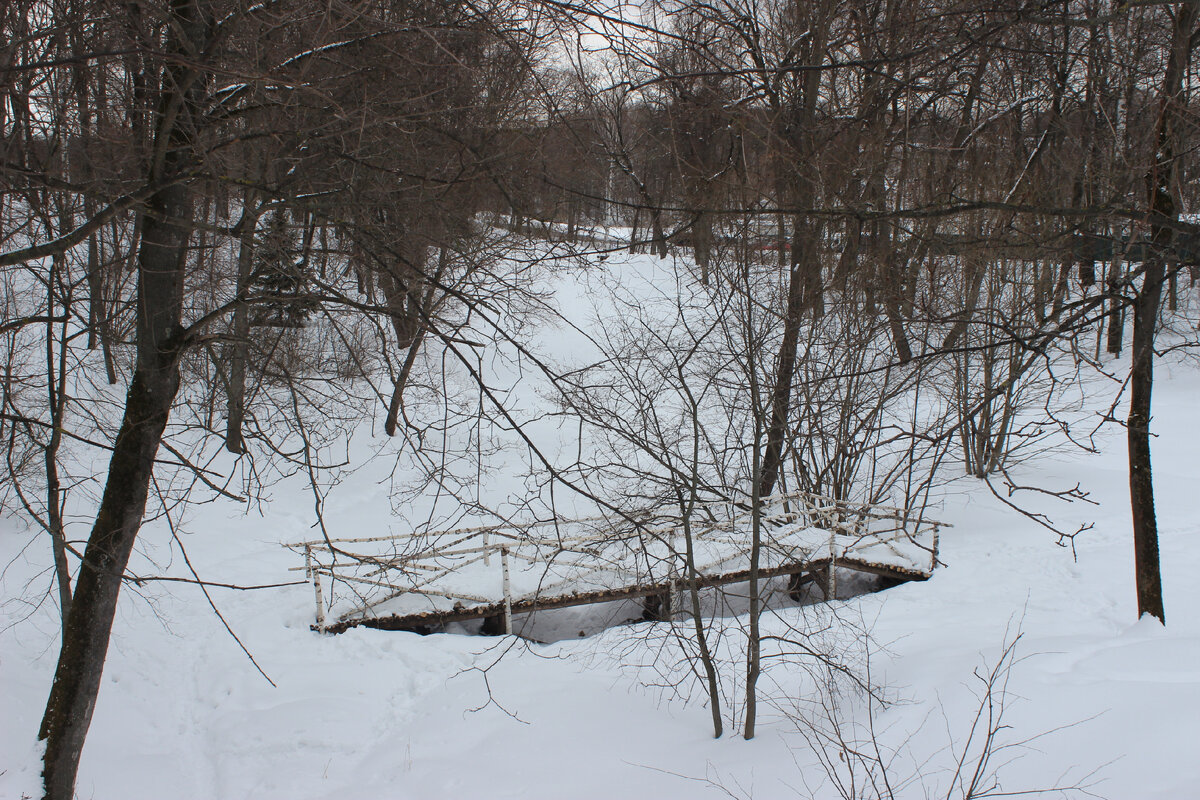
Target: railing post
<point x="831" y="578"/>
<point x="316" y="579"/>
<point x="507" y="592"/>
<point x="934" y="555"/>
<point x="677" y="560"/>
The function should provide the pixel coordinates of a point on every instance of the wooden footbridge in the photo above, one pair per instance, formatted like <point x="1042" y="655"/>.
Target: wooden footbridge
<point x="423" y="580"/>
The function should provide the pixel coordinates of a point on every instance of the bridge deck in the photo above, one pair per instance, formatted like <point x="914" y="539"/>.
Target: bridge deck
<point x="422" y="580"/>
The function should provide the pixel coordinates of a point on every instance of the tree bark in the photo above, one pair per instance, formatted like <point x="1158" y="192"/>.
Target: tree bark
<point x="688" y="508"/>
<point x="974" y="268"/>
<point x="1145" y="318"/>
<point x="89" y="624"/>
<point x="56" y="386"/>
<point x="785" y="369"/>
<point x="1141" y="484"/>
<point x="408" y="311"/>
<point x="162" y="260"/>
<point x="1116" y="306"/>
<point x="892" y="279"/>
<point x="235" y="412"/>
<point x="754" y="645"/>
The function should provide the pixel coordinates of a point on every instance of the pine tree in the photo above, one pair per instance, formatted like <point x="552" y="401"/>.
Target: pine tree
<point x="279" y="286"/>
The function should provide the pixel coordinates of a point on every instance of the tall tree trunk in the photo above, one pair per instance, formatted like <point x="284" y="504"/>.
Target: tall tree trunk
<point x="1145" y="317"/>
<point x="1141" y="483"/>
<point x="892" y="280"/>
<point x="161" y="266"/>
<point x="814" y="280"/>
<point x="56" y="387"/>
<point x="702" y="238"/>
<point x="407" y="300"/>
<point x="89" y="624"/>
<point x="974" y="269"/>
<point x="1116" y="305"/>
<point x="235" y="412"/>
<point x="688" y="508"/>
<point x="754" y="647"/>
<point x="785" y="369"/>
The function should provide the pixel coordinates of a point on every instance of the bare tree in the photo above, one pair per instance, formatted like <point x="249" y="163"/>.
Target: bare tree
<point x="200" y="84"/>
<point x="1162" y="210"/>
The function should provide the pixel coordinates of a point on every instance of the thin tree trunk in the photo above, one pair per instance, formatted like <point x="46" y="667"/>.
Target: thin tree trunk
<point x="692" y="578"/>
<point x="1141" y="484"/>
<point x="891" y="308"/>
<point x="692" y="583"/>
<point x="1061" y="286"/>
<point x="410" y="314"/>
<point x="781" y="394"/>
<point x="56" y="379"/>
<point x="95" y="285"/>
<point x="781" y="240"/>
<point x="975" y="270"/>
<point x="757" y="481"/>
<point x="814" y="281"/>
<point x="392" y="422"/>
<point x="1116" y="308"/>
<point x="754" y="645"/>
<point x="702" y="236"/>
<point x="240" y="349"/>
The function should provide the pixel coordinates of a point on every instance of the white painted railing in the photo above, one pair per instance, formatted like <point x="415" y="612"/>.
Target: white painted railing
<point x="451" y="572"/>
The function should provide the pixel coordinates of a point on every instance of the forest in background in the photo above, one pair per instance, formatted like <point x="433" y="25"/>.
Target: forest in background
<point x="242" y="227"/>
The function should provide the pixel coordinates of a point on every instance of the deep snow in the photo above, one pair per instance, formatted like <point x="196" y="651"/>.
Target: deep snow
<point x="1100" y="699"/>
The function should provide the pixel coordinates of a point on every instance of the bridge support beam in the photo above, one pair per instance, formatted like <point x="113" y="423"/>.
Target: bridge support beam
<point x="822" y="576"/>
<point x="657" y="607"/>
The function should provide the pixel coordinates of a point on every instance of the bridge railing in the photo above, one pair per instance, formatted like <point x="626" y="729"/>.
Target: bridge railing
<point x="498" y="565"/>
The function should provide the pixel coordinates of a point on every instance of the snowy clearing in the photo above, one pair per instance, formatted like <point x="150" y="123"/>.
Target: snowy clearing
<point x="1094" y="698"/>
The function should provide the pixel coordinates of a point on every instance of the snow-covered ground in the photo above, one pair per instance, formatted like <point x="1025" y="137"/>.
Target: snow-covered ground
<point x="1095" y="698"/>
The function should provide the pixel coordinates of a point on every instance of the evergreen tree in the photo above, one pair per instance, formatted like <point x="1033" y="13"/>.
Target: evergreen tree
<point x="279" y="285"/>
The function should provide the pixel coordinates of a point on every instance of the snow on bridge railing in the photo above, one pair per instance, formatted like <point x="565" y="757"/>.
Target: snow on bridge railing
<point x="432" y="576"/>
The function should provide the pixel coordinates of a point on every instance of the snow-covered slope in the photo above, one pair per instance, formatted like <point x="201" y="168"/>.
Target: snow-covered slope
<point x="1095" y="698"/>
